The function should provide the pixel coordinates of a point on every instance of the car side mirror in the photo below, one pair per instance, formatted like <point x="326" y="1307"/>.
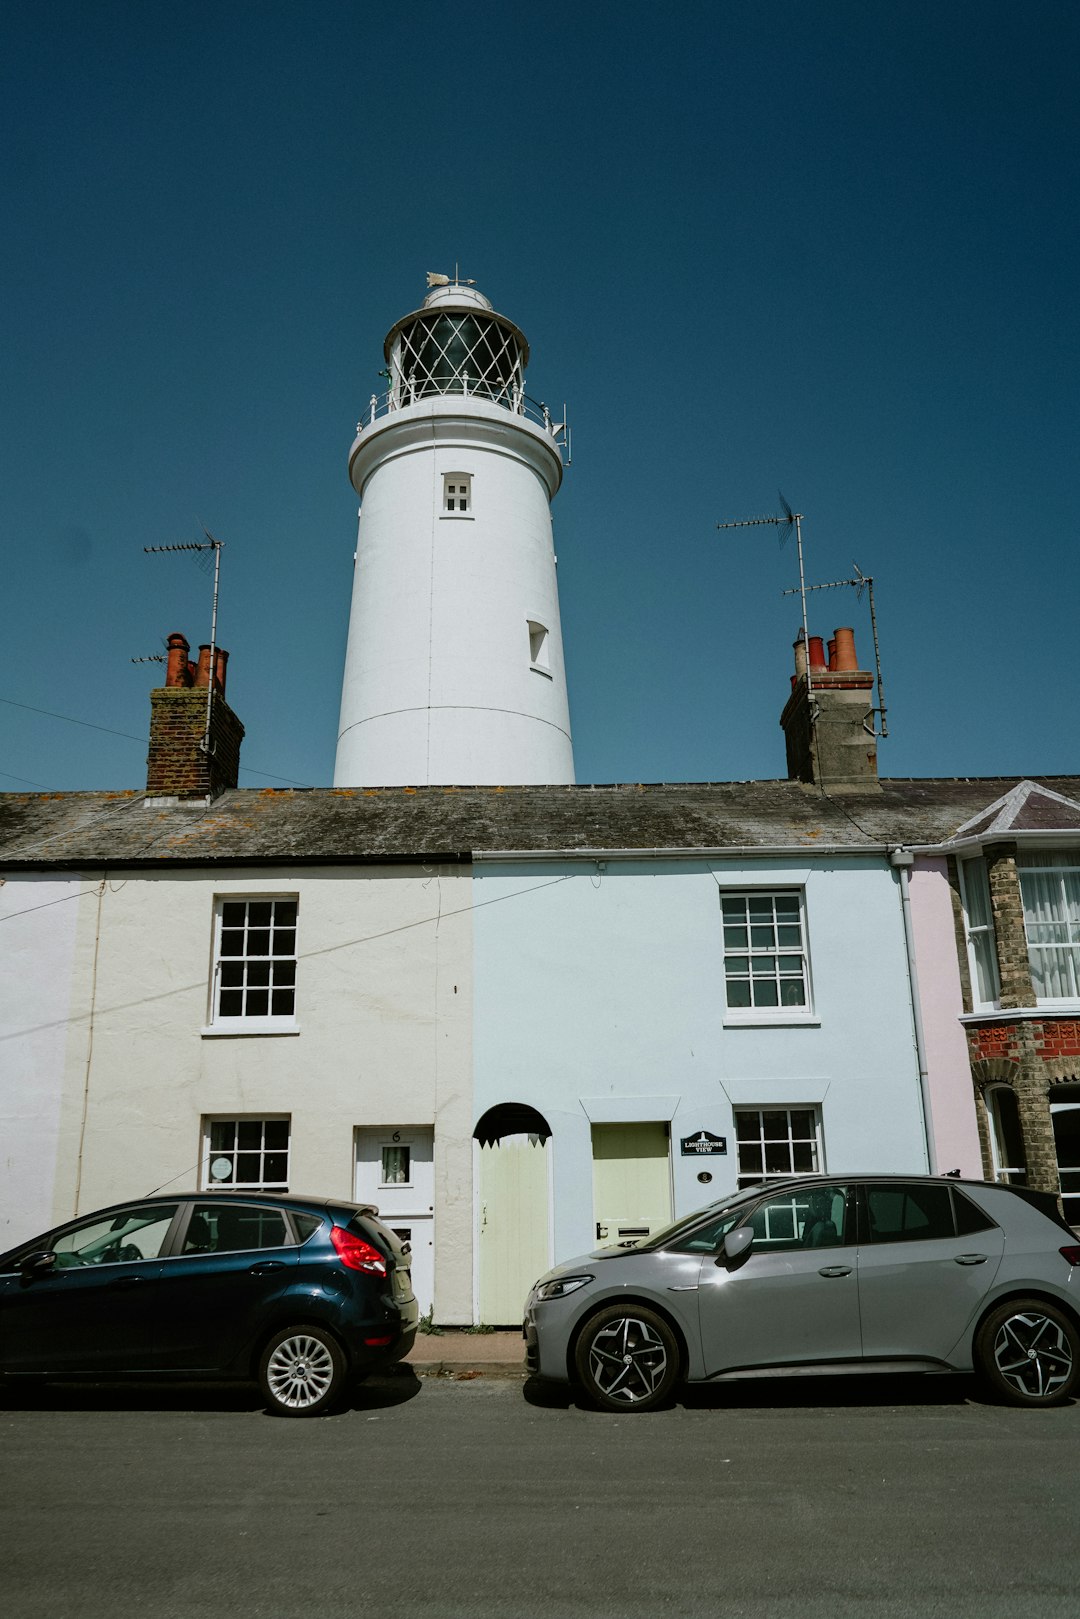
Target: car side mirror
<point x="736" y="1245"/>
<point x="35" y="1263"/>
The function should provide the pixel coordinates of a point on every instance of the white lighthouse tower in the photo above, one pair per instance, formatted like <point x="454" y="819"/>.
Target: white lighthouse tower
<point x="454" y="666"/>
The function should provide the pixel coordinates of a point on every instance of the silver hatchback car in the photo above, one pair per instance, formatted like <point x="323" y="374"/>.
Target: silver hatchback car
<point x="859" y="1273"/>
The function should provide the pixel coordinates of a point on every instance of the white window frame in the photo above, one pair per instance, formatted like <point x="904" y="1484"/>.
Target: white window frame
<point x="816" y="1142"/>
<point x="395" y="1146"/>
<point x="247" y="1024"/>
<point x="1008" y="1174"/>
<point x="1067" y="865"/>
<point x="457" y="497"/>
<point x="798" y="1013"/>
<point x="210" y="1153"/>
<point x="979" y="933"/>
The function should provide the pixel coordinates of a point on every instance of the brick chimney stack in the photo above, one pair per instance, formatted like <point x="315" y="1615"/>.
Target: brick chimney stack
<point x="180" y="764"/>
<point x="837" y="749"/>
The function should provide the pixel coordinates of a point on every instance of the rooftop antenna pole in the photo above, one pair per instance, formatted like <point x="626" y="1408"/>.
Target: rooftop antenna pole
<point x="790" y="520"/>
<point x="862" y="581"/>
<point x="216" y="546"/>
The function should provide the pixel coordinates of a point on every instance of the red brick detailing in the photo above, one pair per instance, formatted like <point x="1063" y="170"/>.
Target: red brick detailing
<point x="1061" y="1038"/>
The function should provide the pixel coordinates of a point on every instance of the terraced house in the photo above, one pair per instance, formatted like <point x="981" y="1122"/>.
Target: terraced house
<point x="523" y="1016"/>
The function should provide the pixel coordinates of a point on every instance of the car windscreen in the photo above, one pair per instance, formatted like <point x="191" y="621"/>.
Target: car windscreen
<point x="712" y="1214"/>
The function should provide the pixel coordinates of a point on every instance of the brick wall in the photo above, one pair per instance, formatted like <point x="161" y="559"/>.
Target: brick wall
<point x="177" y="766"/>
<point x="1014" y="969"/>
<point x="1030" y="1056"/>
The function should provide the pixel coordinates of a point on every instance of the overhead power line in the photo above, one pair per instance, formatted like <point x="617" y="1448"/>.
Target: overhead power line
<point x="89" y="725"/>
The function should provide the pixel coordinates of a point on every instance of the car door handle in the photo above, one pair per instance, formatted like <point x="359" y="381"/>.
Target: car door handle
<point x="971" y="1259"/>
<point x="835" y="1270"/>
<point x="126" y="1282"/>
<point x="265" y="1266"/>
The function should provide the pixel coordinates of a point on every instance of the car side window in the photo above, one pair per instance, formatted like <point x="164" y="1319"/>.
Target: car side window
<point x="228" y="1228"/>
<point x="707" y="1238"/>
<point x="911" y="1213"/>
<point x="969" y="1218"/>
<point x="804" y="1218"/>
<point x="124" y="1238"/>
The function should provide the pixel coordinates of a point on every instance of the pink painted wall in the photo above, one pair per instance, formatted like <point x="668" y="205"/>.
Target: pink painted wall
<point x="952" y="1099"/>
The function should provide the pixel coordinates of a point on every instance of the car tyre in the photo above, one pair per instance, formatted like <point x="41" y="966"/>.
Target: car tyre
<point x="627" y="1358"/>
<point x="302" y="1371"/>
<point x="1028" y="1352"/>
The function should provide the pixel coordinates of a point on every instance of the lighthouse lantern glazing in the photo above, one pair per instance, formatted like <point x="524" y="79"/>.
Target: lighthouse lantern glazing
<point x="454" y="665"/>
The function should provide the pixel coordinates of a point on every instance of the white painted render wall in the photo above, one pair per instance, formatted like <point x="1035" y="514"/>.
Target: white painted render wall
<point x="384" y="1007"/>
<point x="439" y="686"/>
<point x="42" y="1040"/>
<point x="600" y="998"/>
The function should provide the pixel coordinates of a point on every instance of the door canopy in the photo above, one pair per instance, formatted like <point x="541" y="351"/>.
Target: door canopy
<point x="510" y="1119"/>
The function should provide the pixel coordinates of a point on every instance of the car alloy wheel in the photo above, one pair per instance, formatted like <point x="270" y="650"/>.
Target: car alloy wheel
<point x="1029" y="1352"/>
<point x="302" y="1371"/>
<point x="627" y="1359"/>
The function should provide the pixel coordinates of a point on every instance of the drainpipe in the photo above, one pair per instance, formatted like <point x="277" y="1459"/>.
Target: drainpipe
<point x="902" y="861"/>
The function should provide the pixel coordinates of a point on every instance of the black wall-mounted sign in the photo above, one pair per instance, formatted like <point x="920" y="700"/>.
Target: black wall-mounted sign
<point x="703" y="1143"/>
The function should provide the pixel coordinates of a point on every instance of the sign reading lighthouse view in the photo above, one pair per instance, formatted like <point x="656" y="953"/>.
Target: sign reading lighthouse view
<point x="702" y="1144"/>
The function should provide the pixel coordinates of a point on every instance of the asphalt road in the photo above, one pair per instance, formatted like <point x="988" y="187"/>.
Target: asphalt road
<point x="444" y="1499"/>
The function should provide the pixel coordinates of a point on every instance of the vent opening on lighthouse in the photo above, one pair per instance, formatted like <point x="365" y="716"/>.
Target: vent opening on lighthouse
<point x="457" y="492"/>
<point x="538" y="645"/>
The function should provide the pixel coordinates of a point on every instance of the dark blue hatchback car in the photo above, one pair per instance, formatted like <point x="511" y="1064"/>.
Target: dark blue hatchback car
<point x="298" y="1293"/>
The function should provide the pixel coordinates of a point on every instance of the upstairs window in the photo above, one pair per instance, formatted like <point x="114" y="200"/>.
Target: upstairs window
<point x="1050" y="888"/>
<point x="765" y="966"/>
<point x="979" y="923"/>
<point x="254" y="965"/>
<point x="457" y="493"/>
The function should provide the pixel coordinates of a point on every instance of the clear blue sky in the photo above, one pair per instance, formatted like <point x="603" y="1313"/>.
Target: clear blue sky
<point x="826" y="246"/>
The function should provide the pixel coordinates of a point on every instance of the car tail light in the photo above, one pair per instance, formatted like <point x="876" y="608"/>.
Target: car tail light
<point x="1071" y="1254"/>
<point x="357" y="1254"/>
<point x="380" y="1343"/>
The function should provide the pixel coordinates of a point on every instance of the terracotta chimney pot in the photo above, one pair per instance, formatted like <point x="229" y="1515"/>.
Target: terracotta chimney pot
<point x="845" y="650"/>
<point x="817" y="652"/>
<point x="176" y="661"/>
<point x="832" y="654"/>
<point x="800" y="657"/>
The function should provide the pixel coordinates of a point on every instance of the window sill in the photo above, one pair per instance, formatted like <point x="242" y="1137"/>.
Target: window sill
<point x="228" y="1027"/>
<point x="456" y="517"/>
<point x="537" y="669"/>
<point x="755" y="1018"/>
<point x="1021" y="1014"/>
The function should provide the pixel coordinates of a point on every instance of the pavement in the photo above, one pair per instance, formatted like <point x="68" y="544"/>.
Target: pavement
<point x="456" y="1352"/>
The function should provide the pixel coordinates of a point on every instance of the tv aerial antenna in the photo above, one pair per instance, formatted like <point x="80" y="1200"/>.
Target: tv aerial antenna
<point x="215" y="547"/>
<point x="861" y="582"/>
<point x="790" y="522"/>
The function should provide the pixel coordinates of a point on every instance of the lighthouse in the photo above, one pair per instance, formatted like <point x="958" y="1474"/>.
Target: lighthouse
<point x="454" y="664"/>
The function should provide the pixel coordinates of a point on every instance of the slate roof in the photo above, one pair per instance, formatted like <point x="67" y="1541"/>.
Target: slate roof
<point x="342" y="825"/>
<point x="1029" y="807"/>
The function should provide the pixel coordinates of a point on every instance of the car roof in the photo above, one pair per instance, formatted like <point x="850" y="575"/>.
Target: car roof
<point x="298" y="1200"/>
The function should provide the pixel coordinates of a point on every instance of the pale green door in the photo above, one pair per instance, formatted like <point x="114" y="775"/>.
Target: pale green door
<point x="631" y="1180"/>
<point x="513" y="1246"/>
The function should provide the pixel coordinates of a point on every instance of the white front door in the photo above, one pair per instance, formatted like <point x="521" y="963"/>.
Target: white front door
<point x="395" y="1170"/>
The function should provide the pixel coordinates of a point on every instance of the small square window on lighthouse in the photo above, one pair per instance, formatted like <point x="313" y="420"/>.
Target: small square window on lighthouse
<point x="457" y="494"/>
<point x="538" y="647"/>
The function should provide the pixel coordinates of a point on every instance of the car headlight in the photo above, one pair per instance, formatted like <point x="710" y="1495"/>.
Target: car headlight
<point x="559" y="1288"/>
